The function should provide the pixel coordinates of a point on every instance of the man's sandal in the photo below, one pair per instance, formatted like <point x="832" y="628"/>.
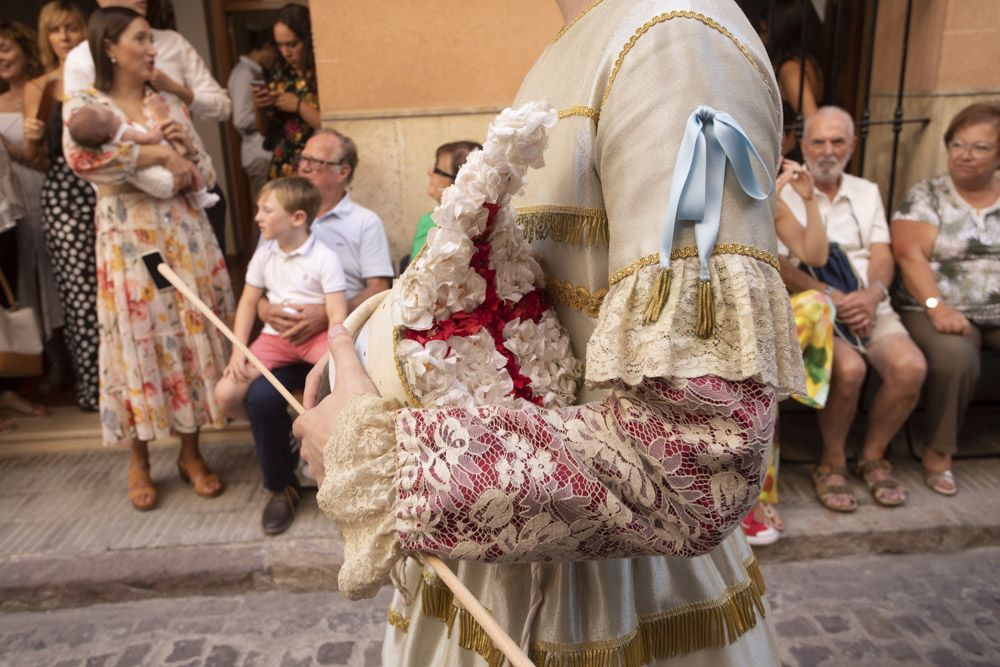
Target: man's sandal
<point x="941" y="482"/>
<point x="141" y="491"/>
<point x="879" y="487"/>
<point x="826" y="492"/>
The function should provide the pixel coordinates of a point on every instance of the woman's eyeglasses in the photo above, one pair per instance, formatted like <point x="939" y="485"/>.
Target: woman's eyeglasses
<point x="441" y="172"/>
<point x="977" y="150"/>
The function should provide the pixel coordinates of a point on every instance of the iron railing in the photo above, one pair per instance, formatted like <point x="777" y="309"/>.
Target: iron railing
<point x="839" y="16"/>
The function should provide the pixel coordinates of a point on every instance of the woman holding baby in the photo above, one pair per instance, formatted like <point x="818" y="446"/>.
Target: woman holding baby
<point x="159" y="359"/>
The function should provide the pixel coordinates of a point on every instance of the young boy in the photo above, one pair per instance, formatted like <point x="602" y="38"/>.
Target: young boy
<point x="294" y="267"/>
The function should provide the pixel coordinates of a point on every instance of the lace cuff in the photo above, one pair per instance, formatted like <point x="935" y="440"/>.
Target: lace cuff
<point x="359" y="490"/>
<point x="755" y="336"/>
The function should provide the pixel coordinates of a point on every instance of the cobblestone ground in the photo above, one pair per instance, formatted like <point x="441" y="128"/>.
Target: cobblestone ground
<point x="920" y="609"/>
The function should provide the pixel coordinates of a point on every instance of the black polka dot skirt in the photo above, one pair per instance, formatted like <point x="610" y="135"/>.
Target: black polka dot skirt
<point x="68" y="218"/>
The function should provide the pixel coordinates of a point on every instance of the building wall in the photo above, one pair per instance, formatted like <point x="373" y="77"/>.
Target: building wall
<point x="401" y="78"/>
<point x="954" y="51"/>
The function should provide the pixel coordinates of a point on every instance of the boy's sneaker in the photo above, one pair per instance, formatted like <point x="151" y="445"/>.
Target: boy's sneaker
<point x="758" y="534"/>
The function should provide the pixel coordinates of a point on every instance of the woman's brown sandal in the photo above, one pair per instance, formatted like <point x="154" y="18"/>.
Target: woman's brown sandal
<point x="879" y="487"/>
<point x="825" y="491"/>
<point x="197" y="473"/>
<point x="141" y="491"/>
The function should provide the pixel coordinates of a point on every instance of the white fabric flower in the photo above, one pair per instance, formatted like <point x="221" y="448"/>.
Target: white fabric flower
<point x="468" y="370"/>
<point x="517" y="271"/>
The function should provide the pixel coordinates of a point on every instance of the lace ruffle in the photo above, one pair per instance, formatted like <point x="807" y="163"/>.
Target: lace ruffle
<point x="359" y="491"/>
<point x="755" y="336"/>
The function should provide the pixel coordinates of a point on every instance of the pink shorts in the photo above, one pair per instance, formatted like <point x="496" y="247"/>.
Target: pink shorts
<point x="275" y="351"/>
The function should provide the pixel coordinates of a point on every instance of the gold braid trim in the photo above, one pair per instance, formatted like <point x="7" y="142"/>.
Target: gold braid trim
<point x="572" y="23"/>
<point x="662" y="18"/>
<point x="576" y="297"/>
<point x="565" y="224"/>
<point x="688" y="252"/>
<point x="579" y="110"/>
<point x="404" y="383"/>
<point x="700" y="625"/>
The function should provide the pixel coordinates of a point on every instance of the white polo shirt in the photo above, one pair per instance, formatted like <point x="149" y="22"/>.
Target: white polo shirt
<point x="305" y="275"/>
<point x="356" y="234"/>
<point x="854" y="219"/>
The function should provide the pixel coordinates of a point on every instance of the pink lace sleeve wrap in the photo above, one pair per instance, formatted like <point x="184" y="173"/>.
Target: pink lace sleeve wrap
<point x="665" y="467"/>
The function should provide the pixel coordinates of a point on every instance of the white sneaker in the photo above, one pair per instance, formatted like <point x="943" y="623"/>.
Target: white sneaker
<point x="758" y="534"/>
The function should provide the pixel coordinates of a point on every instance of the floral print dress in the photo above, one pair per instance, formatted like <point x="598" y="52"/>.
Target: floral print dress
<point x="289" y="132"/>
<point x="159" y="358"/>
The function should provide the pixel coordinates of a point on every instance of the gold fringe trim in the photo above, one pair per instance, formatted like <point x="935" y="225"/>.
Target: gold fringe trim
<point x="579" y="110"/>
<point x="706" y="309"/>
<point x="662" y="18"/>
<point x="688" y="252"/>
<point x="700" y="625"/>
<point x="565" y="224"/>
<point x="576" y="297"/>
<point x="658" y="299"/>
<point x="395" y="619"/>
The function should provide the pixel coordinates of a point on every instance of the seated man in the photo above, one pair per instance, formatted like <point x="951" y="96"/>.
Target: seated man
<point x="855" y="219"/>
<point x="357" y="236"/>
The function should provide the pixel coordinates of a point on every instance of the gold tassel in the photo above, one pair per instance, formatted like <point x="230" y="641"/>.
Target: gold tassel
<point x="706" y="309"/>
<point x="395" y="619"/>
<point x="658" y="298"/>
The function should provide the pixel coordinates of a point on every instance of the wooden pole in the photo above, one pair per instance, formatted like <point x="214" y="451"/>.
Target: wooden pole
<point x="176" y="281"/>
<point x="489" y="625"/>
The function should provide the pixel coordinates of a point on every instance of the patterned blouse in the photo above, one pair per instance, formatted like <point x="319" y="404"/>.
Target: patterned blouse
<point x="289" y="132"/>
<point x="966" y="253"/>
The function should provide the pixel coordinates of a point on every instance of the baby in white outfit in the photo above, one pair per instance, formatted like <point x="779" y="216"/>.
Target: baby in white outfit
<point x="93" y="126"/>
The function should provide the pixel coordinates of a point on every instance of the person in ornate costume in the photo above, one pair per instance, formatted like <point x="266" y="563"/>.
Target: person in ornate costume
<point x="601" y="533"/>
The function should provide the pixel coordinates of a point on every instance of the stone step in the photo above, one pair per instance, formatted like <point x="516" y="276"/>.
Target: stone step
<point x="69" y="429"/>
<point x="68" y="535"/>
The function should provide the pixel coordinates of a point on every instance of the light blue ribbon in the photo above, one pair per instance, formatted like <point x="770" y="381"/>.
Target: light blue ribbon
<point x="711" y="138"/>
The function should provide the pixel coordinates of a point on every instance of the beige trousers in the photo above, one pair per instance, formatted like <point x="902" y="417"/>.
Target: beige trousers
<point x="953" y="366"/>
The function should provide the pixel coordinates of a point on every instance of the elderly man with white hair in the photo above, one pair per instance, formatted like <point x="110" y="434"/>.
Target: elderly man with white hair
<point x="855" y="219"/>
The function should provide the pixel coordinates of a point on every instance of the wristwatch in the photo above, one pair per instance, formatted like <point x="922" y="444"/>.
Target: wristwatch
<point x="932" y="302"/>
<point x="885" y="290"/>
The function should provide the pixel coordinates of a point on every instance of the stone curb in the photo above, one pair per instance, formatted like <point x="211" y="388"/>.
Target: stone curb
<point x="40" y="582"/>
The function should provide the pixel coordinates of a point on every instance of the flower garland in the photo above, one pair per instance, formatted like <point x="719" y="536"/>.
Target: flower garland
<point x="477" y="327"/>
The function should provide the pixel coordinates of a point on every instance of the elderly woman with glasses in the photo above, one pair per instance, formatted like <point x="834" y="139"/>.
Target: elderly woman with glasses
<point x="288" y="105"/>
<point x="946" y="239"/>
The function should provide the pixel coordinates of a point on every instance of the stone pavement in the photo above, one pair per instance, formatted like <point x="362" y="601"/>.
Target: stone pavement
<point x="940" y="610"/>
